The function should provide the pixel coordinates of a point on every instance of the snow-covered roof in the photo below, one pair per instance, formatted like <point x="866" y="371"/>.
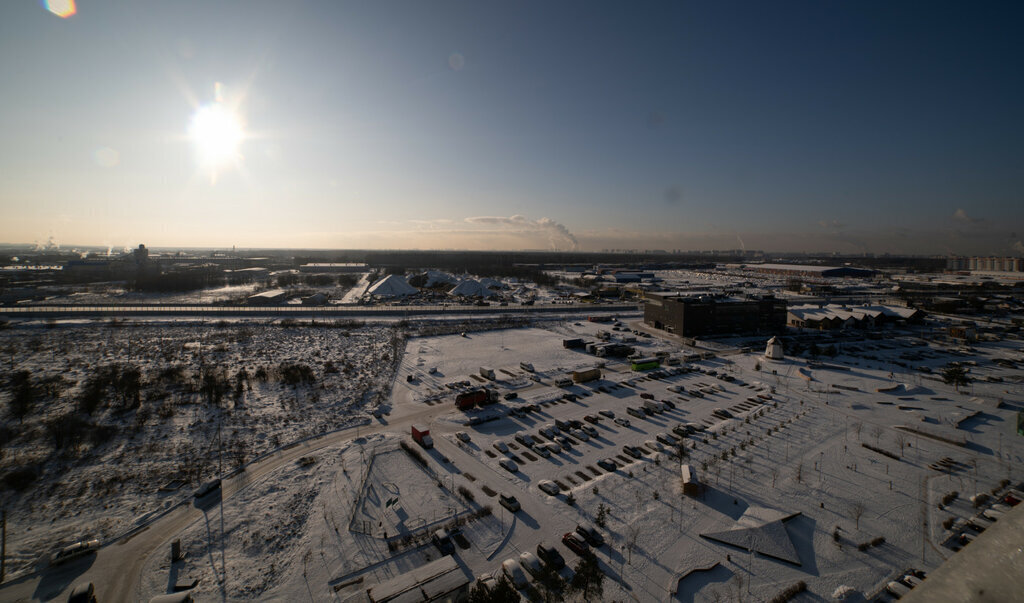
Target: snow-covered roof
<point x="471" y="288"/>
<point x="435" y="277"/>
<point x="392" y="285"/>
<point x="490" y="283"/>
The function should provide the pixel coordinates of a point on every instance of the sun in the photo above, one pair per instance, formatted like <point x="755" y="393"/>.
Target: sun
<point x="217" y="133"/>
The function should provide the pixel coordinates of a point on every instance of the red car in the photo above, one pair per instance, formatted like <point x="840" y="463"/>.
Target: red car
<point x="575" y="544"/>
<point x="1011" y="500"/>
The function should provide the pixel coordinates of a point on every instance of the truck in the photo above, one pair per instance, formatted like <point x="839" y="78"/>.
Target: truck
<point x="644" y="364"/>
<point x="563" y="382"/>
<point x="583" y="376"/>
<point x="487" y="373"/>
<point x="654" y="406"/>
<point x="573" y="343"/>
<point x="526" y="366"/>
<point x="467" y="400"/>
<point x="422" y="436"/>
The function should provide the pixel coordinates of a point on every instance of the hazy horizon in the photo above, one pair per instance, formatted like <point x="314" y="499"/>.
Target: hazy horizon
<point x="786" y="127"/>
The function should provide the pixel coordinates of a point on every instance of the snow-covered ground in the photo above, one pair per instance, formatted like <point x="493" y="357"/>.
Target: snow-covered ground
<point x="803" y="444"/>
<point x="115" y="413"/>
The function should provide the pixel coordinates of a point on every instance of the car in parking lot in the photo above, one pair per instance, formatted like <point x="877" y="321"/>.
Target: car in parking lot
<point x="530" y="563"/>
<point x="590" y="534"/>
<point x="548" y="487"/>
<point x="636" y="412"/>
<point x="589" y="430"/>
<point x="654" y="445"/>
<point x="509" y="502"/>
<point x="541" y="450"/>
<point x="552" y="447"/>
<point x="590" y="419"/>
<point x="669" y="403"/>
<point x="633" y="451"/>
<point x="524" y="438"/>
<point x="622" y="421"/>
<point x="508" y="465"/>
<point x="579" y="435"/>
<point x="575" y="423"/>
<point x="515" y="574"/>
<point x="607" y="464"/>
<point x="73" y="551"/>
<point x="501" y="446"/>
<point x="548" y="431"/>
<point x="607" y="413"/>
<point x="550" y="555"/>
<point x="665" y="438"/>
<point x="575" y="544"/>
<point x="562" y="425"/>
<point x="511" y="395"/>
<point x="462" y="435"/>
<point x="564" y="442"/>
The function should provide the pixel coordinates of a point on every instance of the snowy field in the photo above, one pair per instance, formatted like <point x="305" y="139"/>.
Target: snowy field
<point x="108" y="423"/>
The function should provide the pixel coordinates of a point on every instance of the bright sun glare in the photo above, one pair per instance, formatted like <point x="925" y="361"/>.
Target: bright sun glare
<point x="217" y="134"/>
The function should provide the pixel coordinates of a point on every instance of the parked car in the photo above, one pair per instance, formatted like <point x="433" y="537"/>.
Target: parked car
<point x="551" y="556"/>
<point x="73" y="551"/>
<point x="607" y="464"/>
<point x="590" y="419"/>
<point x="636" y="412"/>
<point x="579" y="435"/>
<point x="633" y="451"/>
<point x="548" y="431"/>
<point x="542" y="450"/>
<point x="589" y="430"/>
<point x="509" y="502"/>
<point x="607" y="413"/>
<point x="562" y="425"/>
<point x="501" y="446"/>
<point x="590" y="534"/>
<point x="524" y="438"/>
<point x="655" y="446"/>
<point x="515" y="574"/>
<point x="622" y="421"/>
<point x="443" y="541"/>
<point x="530" y="563"/>
<point x="508" y="465"/>
<point x="669" y="403"/>
<point x="575" y="544"/>
<point x="462" y="435"/>
<point x="665" y="438"/>
<point x="511" y="395"/>
<point x="548" y="487"/>
<point x="564" y="442"/>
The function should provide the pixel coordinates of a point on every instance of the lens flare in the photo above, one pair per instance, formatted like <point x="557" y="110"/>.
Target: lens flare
<point x="61" y="8"/>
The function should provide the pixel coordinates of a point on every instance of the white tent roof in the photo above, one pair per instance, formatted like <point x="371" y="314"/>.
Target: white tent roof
<point x="471" y="288"/>
<point x="392" y="286"/>
<point x="436" y="276"/>
<point x="490" y="283"/>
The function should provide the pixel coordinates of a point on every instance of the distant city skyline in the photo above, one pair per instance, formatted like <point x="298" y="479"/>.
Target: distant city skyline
<point x="792" y="126"/>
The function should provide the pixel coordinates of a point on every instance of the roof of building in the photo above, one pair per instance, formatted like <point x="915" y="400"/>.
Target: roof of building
<point x="471" y="288"/>
<point x="392" y="285"/>
<point x="424" y="583"/>
<point x="817" y="312"/>
<point x="271" y="294"/>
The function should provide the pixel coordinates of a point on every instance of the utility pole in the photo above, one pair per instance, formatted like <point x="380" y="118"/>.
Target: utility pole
<point x="3" y="545"/>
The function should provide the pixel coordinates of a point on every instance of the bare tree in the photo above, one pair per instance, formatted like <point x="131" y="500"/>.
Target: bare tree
<point x="632" y="534"/>
<point x="856" y="510"/>
<point x="901" y="441"/>
<point x="876" y="430"/>
<point x="857" y="425"/>
<point x="775" y="474"/>
<point x="799" y="475"/>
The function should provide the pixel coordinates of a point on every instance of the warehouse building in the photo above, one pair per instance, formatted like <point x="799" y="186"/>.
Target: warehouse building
<point x="836" y="316"/>
<point x="795" y="270"/>
<point x="703" y="315"/>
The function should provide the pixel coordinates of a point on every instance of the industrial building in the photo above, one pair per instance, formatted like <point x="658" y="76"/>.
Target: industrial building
<point x="702" y="315"/>
<point x="801" y="270"/>
<point x="836" y="316"/>
<point x="985" y="264"/>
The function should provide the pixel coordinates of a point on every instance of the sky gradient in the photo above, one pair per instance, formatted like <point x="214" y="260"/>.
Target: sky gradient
<point x="783" y="126"/>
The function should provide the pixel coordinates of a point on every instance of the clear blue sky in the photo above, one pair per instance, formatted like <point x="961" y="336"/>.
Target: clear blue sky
<point x="789" y="126"/>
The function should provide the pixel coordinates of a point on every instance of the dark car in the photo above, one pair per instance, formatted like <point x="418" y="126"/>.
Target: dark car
<point x="607" y="464"/>
<point x="591" y="419"/>
<point x="669" y="403"/>
<point x="511" y="396"/>
<point x="590" y="534"/>
<point x="442" y="540"/>
<point x="575" y="544"/>
<point x="551" y="556"/>
<point x="509" y="502"/>
<point x="633" y="451"/>
<point x="83" y="592"/>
